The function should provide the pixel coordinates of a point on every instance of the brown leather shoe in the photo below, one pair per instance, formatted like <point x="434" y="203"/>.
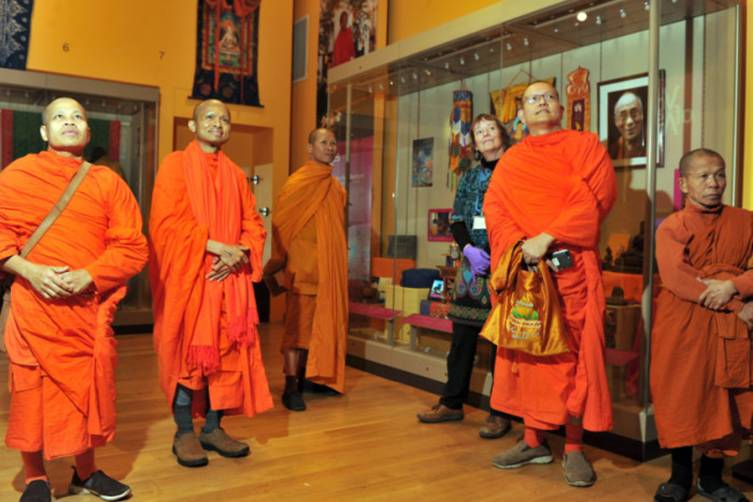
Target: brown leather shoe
<point x="494" y="427"/>
<point x="219" y="441"/>
<point x="440" y="413"/>
<point x="188" y="451"/>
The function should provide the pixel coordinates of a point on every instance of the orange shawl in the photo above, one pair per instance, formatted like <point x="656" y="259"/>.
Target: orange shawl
<point x="562" y="183"/>
<point x="71" y="339"/>
<point x="312" y="192"/>
<point x="197" y="197"/>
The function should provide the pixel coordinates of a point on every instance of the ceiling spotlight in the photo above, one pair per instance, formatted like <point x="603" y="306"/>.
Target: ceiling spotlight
<point x="598" y="20"/>
<point x="556" y="30"/>
<point x="508" y="46"/>
<point x="415" y="76"/>
<point x="381" y="87"/>
<point x="623" y="14"/>
<point x="402" y="80"/>
<point x="371" y="89"/>
<point x="392" y="82"/>
<point x="581" y="16"/>
<point x="476" y="56"/>
<point x="525" y="41"/>
<point x="462" y="61"/>
<point x="428" y="72"/>
<point x="576" y="24"/>
<point x="447" y="66"/>
<point x="491" y="49"/>
<point x="646" y="6"/>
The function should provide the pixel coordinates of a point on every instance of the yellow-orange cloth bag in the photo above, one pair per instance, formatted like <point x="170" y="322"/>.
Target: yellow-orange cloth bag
<point x="527" y="316"/>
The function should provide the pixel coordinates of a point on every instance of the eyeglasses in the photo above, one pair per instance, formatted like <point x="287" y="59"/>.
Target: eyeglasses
<point x="548" y="97"/>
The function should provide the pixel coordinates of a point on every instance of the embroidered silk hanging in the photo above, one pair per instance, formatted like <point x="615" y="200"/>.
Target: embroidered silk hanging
<point x="578" y="100"/>
<point x="15" y="24"/>
<point x="226" y="51"/>
<point x="461" y="151"/>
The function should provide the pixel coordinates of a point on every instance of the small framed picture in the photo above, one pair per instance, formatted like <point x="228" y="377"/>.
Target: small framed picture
<point x="422" y="172"/>
<point x="437" y="290"/>
<point x="439" y="225"/>
<point x="622" y="119"/>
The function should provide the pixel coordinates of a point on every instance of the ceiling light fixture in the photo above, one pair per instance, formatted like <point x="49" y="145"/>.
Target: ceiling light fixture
<point x="581" y="16"/>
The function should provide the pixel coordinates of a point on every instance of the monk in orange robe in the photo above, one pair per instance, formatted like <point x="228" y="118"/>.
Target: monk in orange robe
<point x="207" y="242"/>
<point x="310" y="252"/>
<point x="701" y="369"/>
<point x="61" y="348"/>
<point x="552" y="191"/>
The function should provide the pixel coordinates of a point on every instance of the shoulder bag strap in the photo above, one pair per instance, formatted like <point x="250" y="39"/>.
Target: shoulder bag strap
<point x="57" y="209"/>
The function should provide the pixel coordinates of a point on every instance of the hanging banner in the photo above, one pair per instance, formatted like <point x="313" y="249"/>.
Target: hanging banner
<point x="15" y="23"/>
<point x="461" y="149"/>
<point x="227" y="42"/>
<point x="578" y="100"/>
<point x="347" y="30"/>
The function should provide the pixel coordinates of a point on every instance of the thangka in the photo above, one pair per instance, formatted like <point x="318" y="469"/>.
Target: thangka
<point x="226" y="51"/>
<point x="578" y="100"/>
<point x="461" y="151"/>
<point x="15" y="21"/>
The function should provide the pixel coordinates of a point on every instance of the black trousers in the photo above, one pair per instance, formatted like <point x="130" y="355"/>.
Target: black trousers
<point x="460" y="365"/>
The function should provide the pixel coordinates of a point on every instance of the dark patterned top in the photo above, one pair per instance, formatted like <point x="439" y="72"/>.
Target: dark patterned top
<point x="470" y="297"/>
<point x="469" y="201"/>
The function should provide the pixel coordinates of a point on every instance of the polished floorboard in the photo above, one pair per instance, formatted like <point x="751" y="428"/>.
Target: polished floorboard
<point x="365" y="445"/>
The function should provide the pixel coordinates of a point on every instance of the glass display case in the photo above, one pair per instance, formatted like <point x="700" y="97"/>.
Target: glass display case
<point x="672" y="68"/>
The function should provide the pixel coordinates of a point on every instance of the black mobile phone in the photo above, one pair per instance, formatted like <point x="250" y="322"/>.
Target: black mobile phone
<point x="562" y="259"/>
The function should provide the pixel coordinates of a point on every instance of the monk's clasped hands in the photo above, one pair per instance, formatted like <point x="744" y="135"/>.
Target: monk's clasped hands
<point x="229" y="259"/>
<point x="717" y="293"/>
<point x="57" y="282"/>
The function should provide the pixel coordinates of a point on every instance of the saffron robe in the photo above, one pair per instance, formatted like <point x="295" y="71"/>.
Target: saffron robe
<point x="561" y="183"/>
<point x="315" y="264"/>
<point x="62" y="352"/>
<point x="193" y="328"/>
<point x="701" y="359"/>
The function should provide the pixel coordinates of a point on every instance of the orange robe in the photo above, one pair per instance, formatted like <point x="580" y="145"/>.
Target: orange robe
<point x="701" y="359"/>
<point x="205" y="332"/>
<point x="563" y="184"/>
<point x="62" y="352"/>
<point x="315" y="258"/>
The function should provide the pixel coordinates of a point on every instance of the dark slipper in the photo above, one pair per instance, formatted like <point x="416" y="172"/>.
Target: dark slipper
<point x="724" y="493"/>
<point x="671" y="492"/>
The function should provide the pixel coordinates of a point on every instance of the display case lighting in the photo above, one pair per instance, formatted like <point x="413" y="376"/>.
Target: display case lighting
<point x="462" y="61"/>
<point x="509" y="47"/>
<point x="476" y="56"/>
<point x="623" y="13"/>
<point x="447" y="66"/>
<point x="556" y="30"/>
<point x="646" y="6"/>
<point x="415" y="76"/>
<point x="526" y="42"/>
<point x="598" y="20"/>
<point x="428" y="72"/>
<point x="402" y="80"/>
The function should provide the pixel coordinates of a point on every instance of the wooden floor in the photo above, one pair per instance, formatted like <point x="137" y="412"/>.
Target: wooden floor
<point x="366" y="445"/>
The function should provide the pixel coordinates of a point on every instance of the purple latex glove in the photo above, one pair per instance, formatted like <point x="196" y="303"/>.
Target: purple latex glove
<point x="478" y="258"/>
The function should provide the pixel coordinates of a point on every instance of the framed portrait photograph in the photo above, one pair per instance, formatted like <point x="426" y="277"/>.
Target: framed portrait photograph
<point x="439" y="225"/>
<point x="422" y="169"/>
<point x="622" y="119"/>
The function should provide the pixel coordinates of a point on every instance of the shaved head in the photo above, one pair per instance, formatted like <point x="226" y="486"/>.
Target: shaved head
<point x="313" y="134"/>
<point x="63" y="101"/>
<point x="199" y="109"/>
<point x="690" y="158"/>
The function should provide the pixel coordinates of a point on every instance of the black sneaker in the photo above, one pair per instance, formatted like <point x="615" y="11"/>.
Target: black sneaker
<point x="101" y="485"/>
<point x="293" y="401"/>
<point x="316" y="388"/>
<point x="37" y="491"/>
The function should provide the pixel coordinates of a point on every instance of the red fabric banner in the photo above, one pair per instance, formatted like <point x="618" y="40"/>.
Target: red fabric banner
<point x="6" y="137"/>
<point x="114" y="142"/>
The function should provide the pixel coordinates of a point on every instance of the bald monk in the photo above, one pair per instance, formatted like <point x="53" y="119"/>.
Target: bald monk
<point x="207" y="242"/>
<point x="60" y="344"/>
<point x="701" y="351"/>
<point x="552" y="191"/>
<point x="309" y="248"/>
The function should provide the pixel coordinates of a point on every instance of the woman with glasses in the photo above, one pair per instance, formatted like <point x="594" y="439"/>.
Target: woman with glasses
<point x="470" y="299"/>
